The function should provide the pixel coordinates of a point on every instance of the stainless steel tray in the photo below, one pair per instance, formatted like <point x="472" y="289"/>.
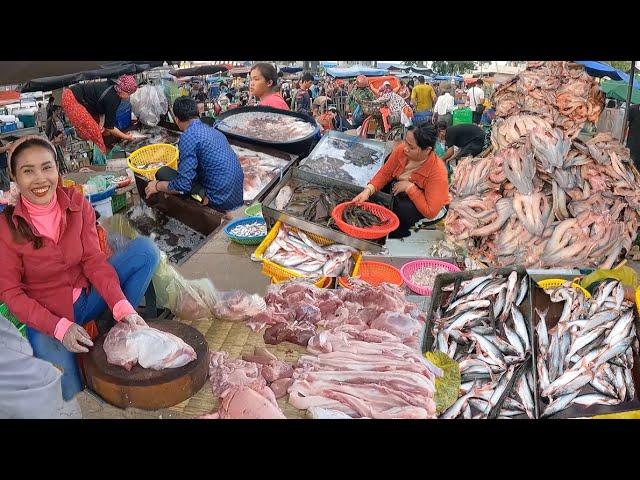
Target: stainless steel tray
<point x="364" y="173"/>
<point x="271" y="214"/>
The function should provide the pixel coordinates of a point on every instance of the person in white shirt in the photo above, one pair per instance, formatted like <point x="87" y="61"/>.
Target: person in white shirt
<point x="475" y="98"/>
<point x="444" y="106"/>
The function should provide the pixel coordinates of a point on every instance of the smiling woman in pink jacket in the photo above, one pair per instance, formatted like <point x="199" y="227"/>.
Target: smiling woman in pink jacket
<point x="54" y="277"/>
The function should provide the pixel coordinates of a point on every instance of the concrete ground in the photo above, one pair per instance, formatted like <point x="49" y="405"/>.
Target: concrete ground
<point x="230" y="267"/>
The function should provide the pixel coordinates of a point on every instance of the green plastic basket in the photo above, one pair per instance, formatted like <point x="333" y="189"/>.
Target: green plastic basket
<point x="462" y="116"/>
<point x="4" y="311"/>
<point x="254" y="210"/>
<point x="118" y="202"/>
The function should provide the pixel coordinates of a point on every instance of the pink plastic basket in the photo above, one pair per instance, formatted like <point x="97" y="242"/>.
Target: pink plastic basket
<point x="408" y="270"/>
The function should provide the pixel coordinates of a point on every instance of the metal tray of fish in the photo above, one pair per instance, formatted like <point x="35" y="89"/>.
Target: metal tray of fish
<point x="273" y="214"/>
<point x="278" y="173"/>
<point x="441" y="297"/>
<point x="541" y="301"/>
<point x="343" y="157"/>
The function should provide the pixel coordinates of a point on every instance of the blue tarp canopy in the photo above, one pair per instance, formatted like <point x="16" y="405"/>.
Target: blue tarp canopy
<point x="601" y="69"/>
<point x="439" y="78"/>
<point x="329" y="64"/>
<point x="356" y="70"/>
<point x="290" y="69"/>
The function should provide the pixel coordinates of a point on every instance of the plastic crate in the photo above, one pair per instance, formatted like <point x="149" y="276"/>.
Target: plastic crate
<point x="4" y="311"/>
<point x="8" y="127"/>
<point x="28" y="121"/>
<point x="118" y="202"/>
<point x="280" y="273"/>
<point x="462" y="116"/>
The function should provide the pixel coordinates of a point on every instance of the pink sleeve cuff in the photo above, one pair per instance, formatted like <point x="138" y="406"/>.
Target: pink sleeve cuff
<point x="122" y="309"/>
<point x="61" y="328"/>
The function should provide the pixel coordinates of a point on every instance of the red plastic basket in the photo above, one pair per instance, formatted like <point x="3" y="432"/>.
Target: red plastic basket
<point x="375" y="273"/>
<point x="369" y="233"/>
<point x="408" y="269"/>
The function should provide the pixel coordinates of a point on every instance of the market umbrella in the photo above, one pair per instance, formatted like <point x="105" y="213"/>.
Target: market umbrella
<point x="619" y="89"/>
<point x="197" y="71"/>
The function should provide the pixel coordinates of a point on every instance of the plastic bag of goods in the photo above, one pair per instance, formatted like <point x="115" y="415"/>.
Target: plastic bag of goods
<point x="191" y="299"/>
<point x="238" y="305"/>
<point x="149" y="103"/>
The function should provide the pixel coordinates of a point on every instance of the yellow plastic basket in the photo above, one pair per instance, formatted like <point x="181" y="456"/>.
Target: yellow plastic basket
<point x="638" y="299"/>
<point x="159" y="152"/>
<point x="550" y="283"/>
<point x="280" y="273"/>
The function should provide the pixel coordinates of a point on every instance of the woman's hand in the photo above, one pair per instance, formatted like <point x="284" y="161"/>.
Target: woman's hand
<point x="135" y="320"/>
<point x="363" y="196"/>
<point x="152" y="187"/>
<point x="76" y="338"/>
<point x="400" y="187"/>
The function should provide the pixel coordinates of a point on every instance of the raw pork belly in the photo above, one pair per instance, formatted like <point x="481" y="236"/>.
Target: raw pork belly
<point x="126" y="345"/>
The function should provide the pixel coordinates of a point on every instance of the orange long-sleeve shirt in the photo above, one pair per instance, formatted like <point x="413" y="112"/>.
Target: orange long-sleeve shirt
<point x="431" y="191"/>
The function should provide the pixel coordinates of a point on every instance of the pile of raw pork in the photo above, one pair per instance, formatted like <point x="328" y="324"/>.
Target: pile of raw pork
<point x="544" y="198"/>
<point x="366" y="363"/>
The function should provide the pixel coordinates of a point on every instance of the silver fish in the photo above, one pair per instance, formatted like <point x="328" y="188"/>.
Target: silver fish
<point x="521" y="327"/>
<point x="452" y="349"/>
<point x="471" y="305"/>
<point x="499" y="390"/>
<point x="543" y="373"/>
<point x="470" y="285"/>
<point x="543" y="336"/>
<point x="522" y="292"/>
<point x="630" y="384"/>
<point x="506" y="414"/>
<point x="511" y="292"/>
<point x="442" y="342"/>
<point x="559" y="404"/>
<point x="567" y="383"/>
<point x="600" y="318"/>
<point x="463" y="318"/>
<point x="583" y="341"/>
<point x="613" y="351"/>
<point x="603" y="387"/>
<point x="595" y="399"/>
<point x="621" y="329"/>
<point x="514" y="339"/>
<point x="489" y="349"/>
<point x="454" y="410"/>
<point x="620" y="384"/>
<point x="466" y="413"/>
<point x="524" y="392"/>
<point x="498" y="306"/>
<point x="512" y="404"/>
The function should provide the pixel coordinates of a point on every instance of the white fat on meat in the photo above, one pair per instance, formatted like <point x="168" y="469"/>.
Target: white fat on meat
<point x="399" y="324"/>
<point x="319" y="413"/>
<point x="126" y="345"/>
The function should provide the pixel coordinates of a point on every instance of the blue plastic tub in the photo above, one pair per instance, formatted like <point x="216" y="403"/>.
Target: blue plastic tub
<point x="245" y="240"/>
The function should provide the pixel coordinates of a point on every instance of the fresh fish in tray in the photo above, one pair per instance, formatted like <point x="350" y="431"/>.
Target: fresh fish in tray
<point x="266" y="126"/>
<point x="297" y="252"/>
<point x="587" y="358"/>
<point x="482" y="325"/>
<point x="259" y="169"/>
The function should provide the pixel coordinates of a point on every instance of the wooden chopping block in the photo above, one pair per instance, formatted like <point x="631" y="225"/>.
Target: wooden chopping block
<point x="145" y="388"/>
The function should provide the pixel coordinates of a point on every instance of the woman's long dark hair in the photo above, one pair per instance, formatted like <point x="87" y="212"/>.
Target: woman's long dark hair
<point x="23" y="233"/>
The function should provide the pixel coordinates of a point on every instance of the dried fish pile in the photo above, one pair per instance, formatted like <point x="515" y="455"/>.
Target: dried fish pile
<point x="267" y="126"/>
<point x="562" y="93"/>
<point x="545" y="198"/>
<point x="258" y="168"/>
<point x="482" y="328"/>
<point x="587" y="358"/>
<point x="254" y="229"/>
<point x="359" y="217"/>
<point x="297" y="252"/>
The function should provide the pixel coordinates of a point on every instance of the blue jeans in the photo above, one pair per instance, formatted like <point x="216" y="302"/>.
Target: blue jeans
<point x="135" y="267"/>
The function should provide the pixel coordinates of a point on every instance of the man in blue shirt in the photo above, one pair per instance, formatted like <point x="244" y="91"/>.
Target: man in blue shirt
<point x="207" y="166"/>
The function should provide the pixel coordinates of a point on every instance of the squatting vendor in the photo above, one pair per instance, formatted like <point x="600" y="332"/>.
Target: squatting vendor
<point x="418" y="179"/>
<point x="208" y="167"/>
<point x="54" y="277"/>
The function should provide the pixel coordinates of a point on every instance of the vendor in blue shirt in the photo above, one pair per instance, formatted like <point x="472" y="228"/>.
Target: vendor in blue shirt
<point x="207" y="166"/>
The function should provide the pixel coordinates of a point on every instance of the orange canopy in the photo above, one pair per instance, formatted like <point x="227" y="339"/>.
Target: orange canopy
<point x="376" y="82"/>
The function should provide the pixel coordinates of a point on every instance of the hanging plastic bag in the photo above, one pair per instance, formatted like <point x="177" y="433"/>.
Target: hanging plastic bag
<point x="191" y="299"/>
<point x="149" y="103"/>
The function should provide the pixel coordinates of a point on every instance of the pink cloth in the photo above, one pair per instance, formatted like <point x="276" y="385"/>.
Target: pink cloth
<point x="274" y="100"/>
<point x="46" y="218"/>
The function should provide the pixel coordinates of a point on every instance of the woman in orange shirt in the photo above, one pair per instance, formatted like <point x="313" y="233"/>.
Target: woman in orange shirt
<point x="418" y="179"/>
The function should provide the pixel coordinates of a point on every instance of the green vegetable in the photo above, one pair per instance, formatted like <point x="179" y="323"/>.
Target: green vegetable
<point x="447" y="386"/>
